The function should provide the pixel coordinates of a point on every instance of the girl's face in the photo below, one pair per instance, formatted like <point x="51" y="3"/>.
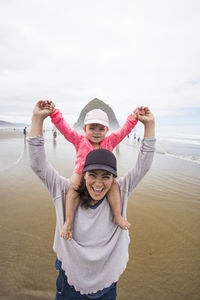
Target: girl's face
<point x="98" y="183"/>
<point x="95" y="132"/>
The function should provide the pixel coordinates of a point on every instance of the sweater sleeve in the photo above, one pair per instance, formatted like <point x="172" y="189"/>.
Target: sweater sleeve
<point x="143" y="164"/>
<point x="70" y="134"/>
<point x="43" y="169"/>
<point x="116" y="137"/>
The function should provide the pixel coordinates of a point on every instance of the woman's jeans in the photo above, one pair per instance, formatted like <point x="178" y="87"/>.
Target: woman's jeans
<point x="67" y="292"/>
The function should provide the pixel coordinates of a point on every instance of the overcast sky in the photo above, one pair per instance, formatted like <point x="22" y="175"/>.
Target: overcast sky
<point x="124" y="52"/>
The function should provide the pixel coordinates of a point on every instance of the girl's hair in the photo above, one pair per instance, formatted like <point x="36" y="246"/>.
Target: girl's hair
<point x="85" y="198"/>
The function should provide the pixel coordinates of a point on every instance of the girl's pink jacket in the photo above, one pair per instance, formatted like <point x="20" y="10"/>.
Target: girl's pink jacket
<point x="82" y="144"/>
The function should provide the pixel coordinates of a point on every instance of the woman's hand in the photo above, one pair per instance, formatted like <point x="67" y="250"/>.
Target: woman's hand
<point x="43" y="108"/>
<point x="145" y="116"/>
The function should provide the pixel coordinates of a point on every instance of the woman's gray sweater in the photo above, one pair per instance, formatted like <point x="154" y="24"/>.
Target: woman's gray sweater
<point x="98" y="253"/>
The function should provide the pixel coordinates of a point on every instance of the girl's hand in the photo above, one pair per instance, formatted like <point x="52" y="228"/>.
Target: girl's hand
<point x="48" y="104"/>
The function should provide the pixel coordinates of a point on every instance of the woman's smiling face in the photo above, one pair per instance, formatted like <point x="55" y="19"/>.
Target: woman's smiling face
<point x="98" y="183"/>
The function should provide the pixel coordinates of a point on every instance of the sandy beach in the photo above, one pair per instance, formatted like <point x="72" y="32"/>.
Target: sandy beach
<point x="11" y="133"/>
<point x="164" y="211"/>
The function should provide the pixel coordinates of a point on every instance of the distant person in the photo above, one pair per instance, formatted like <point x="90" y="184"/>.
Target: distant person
<point x="25" y="128"/>
<point x="90" y="265"/>
<point x="117" y="150"/>
<point x="54" y="134"/>
<point x="134" y="136"/>
<point x="96" y="126"/>
<point x="138" y="139"/>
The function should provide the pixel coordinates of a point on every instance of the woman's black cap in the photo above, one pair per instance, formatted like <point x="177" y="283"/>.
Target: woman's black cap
<point x="101" y="159"/>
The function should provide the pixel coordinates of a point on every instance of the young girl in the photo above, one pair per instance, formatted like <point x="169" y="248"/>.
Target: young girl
<point x="96" y="126"/>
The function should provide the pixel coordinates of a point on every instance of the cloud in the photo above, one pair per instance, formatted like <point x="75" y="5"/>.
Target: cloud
<point x="126" y="53"/>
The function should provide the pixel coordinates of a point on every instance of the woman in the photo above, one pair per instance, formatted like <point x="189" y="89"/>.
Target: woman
<point x="91" y="263"/>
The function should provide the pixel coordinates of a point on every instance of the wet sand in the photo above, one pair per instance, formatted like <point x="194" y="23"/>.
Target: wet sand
<point x="164" y="211"/>
<point x="11" y="133"/>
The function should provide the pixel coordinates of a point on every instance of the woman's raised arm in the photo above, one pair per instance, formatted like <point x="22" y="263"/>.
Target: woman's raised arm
<point x="145" y="156"/>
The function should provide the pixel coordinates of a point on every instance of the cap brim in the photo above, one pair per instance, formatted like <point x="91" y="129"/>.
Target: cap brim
<point x="100" y="167"/>
<point x="95" y="121"/>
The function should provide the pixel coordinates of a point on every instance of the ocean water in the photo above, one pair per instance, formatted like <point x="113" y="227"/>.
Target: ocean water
<point x="180" y="146"/>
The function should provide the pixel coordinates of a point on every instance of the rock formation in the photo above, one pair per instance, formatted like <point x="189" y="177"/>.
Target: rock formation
<point x="96" y="103"/>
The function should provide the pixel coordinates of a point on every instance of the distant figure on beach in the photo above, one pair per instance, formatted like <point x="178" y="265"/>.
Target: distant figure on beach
<point x="91" y="263"/>
<point x="54" y="134"/>
<point x="134" y="136"/>
<point x="138" y="139"/>
<point x="117" y="150"/>
<point x="25" y="131"/>
<point x="96" y="126"/>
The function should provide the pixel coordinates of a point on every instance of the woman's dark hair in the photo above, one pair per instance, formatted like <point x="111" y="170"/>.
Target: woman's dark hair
<point x="85" y="198"/>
